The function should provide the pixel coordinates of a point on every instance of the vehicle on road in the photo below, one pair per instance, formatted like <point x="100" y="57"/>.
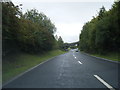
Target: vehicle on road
<point x="76" y="50"/>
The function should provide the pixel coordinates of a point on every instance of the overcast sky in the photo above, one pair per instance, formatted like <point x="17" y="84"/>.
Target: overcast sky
<point x="69" y="16"/>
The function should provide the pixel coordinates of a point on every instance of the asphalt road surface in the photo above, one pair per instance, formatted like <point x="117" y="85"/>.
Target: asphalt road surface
<point x="70" y="70"/>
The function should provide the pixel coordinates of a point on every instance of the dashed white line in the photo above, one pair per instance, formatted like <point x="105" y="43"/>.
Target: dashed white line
<point x="74" y="56"/>
<point x="103" y="82"/>
<point x="79" y="62"/>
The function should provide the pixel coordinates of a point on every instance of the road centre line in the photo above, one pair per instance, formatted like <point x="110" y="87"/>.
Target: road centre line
<point x="79" y="62"/>
<point x="74" y="56"/>
<point x="103" y="82"/>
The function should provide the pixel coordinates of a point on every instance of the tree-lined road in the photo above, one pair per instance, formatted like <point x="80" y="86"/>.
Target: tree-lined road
<point x="70" y="70"/>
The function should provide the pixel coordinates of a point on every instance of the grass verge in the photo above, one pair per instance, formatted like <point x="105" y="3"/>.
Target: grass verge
<point x="111" y="55"/>
<point x="18" y="63"/>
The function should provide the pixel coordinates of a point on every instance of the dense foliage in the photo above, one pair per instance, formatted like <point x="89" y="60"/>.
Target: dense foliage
<point x="102" y="33"/>
<point x="60" y="43"/>
<point x="29" y="32"/>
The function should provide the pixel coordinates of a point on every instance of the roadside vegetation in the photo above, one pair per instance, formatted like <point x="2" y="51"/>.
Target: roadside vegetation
<point x="15" y="64"/>
<point x="101" y="35"/>
<point x="27" y="39"/>
<point x="111" y="56"/>
<point x="30" y="32"/>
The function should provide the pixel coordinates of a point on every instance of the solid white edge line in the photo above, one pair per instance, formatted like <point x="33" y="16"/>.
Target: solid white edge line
<point x="79" y="62"/>
<point x="103" y="82"/>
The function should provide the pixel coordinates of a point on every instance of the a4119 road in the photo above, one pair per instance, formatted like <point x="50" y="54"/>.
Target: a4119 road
<point x="70" y="70"/>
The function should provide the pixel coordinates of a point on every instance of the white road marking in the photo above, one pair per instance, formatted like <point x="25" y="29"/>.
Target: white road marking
<point x="74" y="56"/>
<point x="103" y="82"/>
<point x="79" y="62"/>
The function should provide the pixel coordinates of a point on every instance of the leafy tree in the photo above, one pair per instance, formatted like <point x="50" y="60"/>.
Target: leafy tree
<point x="30" y="32"/>
<point x="41" y="19"/>
<point x="60" y="42"/>
<point x="101" y="12"/>
<point x="101" y="34"/>
<point x="10" y="26"/>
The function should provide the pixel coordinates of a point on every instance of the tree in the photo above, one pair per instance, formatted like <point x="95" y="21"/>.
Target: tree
<point x="40" y="29"/>
<point x="101" y="12"/>
<point x="101" y="34"/>
<point x="30" y="32"/>
<point x="41" y="19"/>
<point x="60" y="42"/>
<point x="10" y="26"/>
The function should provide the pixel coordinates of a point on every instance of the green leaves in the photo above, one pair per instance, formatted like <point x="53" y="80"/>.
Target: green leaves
<point x="60" y="42"/>
<point x="41" y="19"/>
<point x="30" y="32"/>
<point x="102" y="34"/>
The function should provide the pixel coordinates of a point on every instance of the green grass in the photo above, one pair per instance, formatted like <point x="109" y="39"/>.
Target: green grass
<point x="110" y="56"/>
<point x="18" y="63"/>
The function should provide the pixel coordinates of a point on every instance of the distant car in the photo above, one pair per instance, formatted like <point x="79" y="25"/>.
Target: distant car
<point x="76" y="50"/>
<point x="66" y="50"/>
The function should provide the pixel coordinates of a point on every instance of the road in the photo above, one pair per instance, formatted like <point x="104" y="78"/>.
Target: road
<point x="70" y="70"/>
